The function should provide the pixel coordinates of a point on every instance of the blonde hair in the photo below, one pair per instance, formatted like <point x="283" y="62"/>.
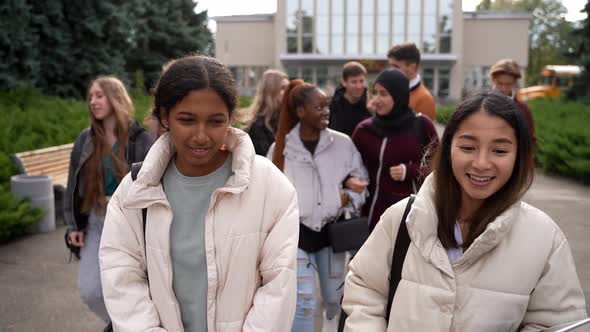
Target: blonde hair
<point x="92" y="170"/>
<point x="267" y="100"/>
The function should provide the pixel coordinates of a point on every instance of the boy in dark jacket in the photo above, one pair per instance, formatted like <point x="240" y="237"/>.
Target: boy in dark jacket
<point x="348" y="106"/>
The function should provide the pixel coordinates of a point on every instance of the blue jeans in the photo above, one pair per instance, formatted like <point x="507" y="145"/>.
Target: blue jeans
<point x="330" y="268"/>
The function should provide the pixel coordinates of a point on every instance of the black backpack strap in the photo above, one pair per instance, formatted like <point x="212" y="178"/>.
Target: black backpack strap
<point x="402" y="242"/>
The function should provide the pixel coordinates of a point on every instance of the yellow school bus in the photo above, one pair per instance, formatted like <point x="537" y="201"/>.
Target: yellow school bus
<point x="554" y="81"/>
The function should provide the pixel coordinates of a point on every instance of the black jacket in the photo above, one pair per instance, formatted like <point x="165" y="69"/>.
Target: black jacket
<point x="344" y="116"/>
<point x="261" y="136"/>
<point x="137" y="148"/>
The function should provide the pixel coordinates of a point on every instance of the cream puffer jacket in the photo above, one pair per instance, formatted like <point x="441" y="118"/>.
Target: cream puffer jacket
<point x="252" y="229"/>
<point x="518" y="275"/>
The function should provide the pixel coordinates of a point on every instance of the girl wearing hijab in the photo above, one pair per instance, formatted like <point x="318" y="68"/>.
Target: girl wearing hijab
<point x="392" y="144"/>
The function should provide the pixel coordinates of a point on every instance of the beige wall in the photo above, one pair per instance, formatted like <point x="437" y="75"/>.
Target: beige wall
<point x="235" y="44"/>
<point x="456" y="83"/>
<point x="487" y="40"/>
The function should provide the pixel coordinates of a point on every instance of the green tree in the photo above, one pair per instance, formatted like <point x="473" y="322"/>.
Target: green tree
<point x="163" y="31"/>
<point x="18" y="41"/>
<point x="582" y="54"/>
<point x="550" y="36"/>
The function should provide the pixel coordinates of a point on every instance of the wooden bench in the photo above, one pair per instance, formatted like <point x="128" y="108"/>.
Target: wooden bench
<point x="53" y="161"/>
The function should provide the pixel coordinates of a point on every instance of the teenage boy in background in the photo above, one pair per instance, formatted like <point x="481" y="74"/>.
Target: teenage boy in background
<point x="348" y="106"/>
<point x="406" y="57"/>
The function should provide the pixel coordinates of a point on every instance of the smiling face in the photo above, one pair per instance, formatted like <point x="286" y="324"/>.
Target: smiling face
<point x="355" y="85"/>
<point x="198" y="125"/>
<point x="314" y="113"/>
<point x="382" y="100"/>
<point x="99" y="104"/>
<point x="483" y="154"/>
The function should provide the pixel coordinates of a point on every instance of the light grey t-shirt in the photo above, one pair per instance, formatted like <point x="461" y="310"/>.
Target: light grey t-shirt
<point x="189" y="198"/>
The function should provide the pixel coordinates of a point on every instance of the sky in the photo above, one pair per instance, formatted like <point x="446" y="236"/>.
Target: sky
<point x="243" y="7"/>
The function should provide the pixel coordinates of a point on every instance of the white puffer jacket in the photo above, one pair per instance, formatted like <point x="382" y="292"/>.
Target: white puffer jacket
<point x="518" y="274"/>
<point x="252" y="229"/>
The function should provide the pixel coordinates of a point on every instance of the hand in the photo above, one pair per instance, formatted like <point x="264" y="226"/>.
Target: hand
<point x="76" y="238"/>
<point x="344" y="199"/>
<point x="397" y="172"/>
<point x="355" y="184"/>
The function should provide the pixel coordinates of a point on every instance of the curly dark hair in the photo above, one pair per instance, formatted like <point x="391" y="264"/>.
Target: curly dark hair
<point x="194" y="72"/>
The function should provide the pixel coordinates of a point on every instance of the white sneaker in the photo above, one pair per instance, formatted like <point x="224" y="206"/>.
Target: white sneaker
<point x="330" y="325"/>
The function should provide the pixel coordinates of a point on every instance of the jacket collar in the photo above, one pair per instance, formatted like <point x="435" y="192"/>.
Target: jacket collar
<point x="422" y="224"/>
<point x="293" y="143"/>
<point x="147" y="188"/>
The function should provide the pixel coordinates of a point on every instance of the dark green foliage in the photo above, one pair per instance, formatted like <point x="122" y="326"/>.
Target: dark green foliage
<point x="443" y="113"/>
<point x="19" y="64"/>
<point x="245" y="101"/>
<point x="33" y="121"/>
<point x="563" y="137"/>
<point x="59" y="46"/>
<point x="165" y="30"/>
<point x="581" y="55"/>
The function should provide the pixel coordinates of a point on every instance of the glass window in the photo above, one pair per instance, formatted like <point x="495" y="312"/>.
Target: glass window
<point x="383" y="17"/>
<point x="429" y="36"/>
<point x="321" y="76"/>
<point x="337" y="44"/>
<point x="445" y="22"/>
<point x="428" y="78"/>
<point x="399" y="7"/>
<point x="292" y="26"/>
<point x="291" y="44"/>
<point x="443" y="83"/>
<point x="352" y="44"/>
<point x="399" y="25"/>
<point x="337" y="7"/>
<point x="238" y="73"/>
<point x="429" y="7"/>
<point x="352" y="27"/>
<point x="413" y="26"/>
<point x="292" y="14"/>
<point x="383" y="44"/>
<point x="322" y="25"/>
<point x="368" y="26"/>
<point x="414" y="8"/>
<point x="322" y="8"/>
<point x="337" y="25"/>
<point x="292" y="72"/>
<point x="307" y="74"/>
<point x="321" y="44"/>
<point x="307" y="44"/>
<point x="352" y="7"/>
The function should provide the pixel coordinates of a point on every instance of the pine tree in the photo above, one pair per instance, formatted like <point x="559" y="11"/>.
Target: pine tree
<point x="18" y="45"/>
<point x="163" y="31"/>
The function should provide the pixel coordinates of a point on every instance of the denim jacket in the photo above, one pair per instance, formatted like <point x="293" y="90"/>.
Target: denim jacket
<point x="318" y="178"/>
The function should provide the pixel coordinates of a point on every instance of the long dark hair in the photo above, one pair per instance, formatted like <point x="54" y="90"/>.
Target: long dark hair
<point x="294" y="97"/>
<point x="447" y="193"/>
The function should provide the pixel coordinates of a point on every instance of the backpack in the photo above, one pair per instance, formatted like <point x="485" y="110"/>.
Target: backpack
<point x="402" y="243"/>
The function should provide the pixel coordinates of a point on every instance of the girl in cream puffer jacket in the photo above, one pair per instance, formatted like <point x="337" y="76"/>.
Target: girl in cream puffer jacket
<point x="479" y="258"/>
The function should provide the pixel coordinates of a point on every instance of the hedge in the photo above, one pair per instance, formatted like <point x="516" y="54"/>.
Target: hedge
<point x="33" y="121"/>
<point x="563" y="136"/>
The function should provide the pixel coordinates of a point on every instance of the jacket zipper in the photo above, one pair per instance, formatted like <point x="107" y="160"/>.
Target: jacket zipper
<point x="381" y="152"/>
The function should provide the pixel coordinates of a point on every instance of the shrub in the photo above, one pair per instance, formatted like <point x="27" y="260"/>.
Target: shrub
<point x="244" y="101"/>
<point x="443" y="113"/>
<point x="33" y="121"/>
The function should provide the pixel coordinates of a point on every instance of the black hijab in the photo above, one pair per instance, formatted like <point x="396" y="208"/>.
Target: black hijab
<point x="401" y="116"/>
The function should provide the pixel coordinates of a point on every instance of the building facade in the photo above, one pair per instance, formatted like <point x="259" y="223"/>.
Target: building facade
<point x="312" y="39"/>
